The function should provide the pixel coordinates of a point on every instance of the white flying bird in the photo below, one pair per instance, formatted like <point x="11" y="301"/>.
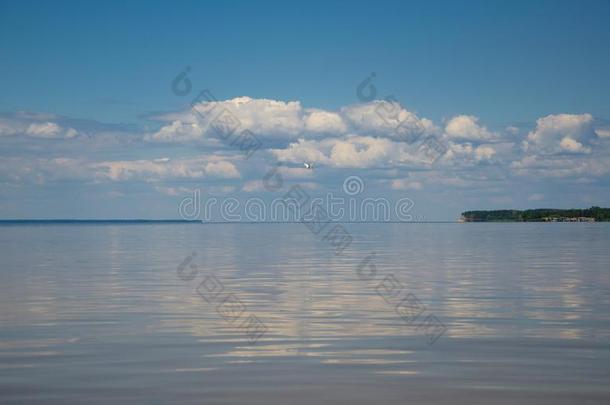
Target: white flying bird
<point x="308" y="165"/>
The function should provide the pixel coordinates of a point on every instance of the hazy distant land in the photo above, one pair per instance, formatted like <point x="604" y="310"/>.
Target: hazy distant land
<point x="593" y="214"/>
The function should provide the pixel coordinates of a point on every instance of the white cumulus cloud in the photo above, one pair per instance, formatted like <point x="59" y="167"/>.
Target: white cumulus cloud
<point x="352" y="151"/>
<point x="31" y="126"/>
<point x="155" y="170"/>
<point x="467" y="127"/>
<point x="387" y="118"/>
<point x="567" y="133"/>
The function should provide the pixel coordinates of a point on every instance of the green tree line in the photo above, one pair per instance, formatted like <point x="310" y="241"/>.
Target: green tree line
<point x="599" y="214"/>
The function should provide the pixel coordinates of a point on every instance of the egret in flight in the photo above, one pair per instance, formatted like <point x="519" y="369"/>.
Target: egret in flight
<point x="308" y="165"/>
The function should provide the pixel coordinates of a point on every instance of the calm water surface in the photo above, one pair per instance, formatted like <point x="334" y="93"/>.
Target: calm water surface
<point x="98" y="314"/>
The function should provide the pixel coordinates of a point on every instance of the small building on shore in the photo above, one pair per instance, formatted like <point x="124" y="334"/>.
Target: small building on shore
<point x="568" y="219"/>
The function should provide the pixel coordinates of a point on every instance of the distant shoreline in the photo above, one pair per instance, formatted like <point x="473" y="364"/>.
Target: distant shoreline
<point x="593" y="214"/>
<point x="97" y="221"/>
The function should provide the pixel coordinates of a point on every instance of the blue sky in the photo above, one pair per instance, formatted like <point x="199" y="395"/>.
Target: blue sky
<point x="516" y="92"/>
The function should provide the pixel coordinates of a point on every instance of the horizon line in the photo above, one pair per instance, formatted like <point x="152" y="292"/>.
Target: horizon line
<point x="187" y="221"/>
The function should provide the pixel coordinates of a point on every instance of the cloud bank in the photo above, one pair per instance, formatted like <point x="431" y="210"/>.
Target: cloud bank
<point x="379" y="140"/>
